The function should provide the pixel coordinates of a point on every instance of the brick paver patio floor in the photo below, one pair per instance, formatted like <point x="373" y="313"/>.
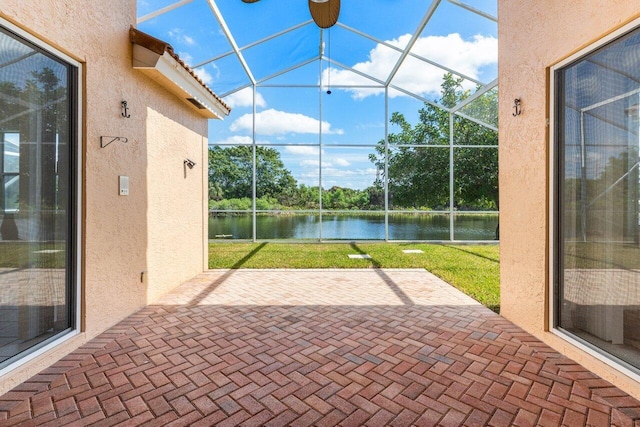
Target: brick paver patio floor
<point x="316" y="348"/>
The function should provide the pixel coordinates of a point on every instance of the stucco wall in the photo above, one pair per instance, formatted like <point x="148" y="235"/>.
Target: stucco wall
<point x="175" y="203"/>
<point x="532" y="37"/>
<point x="159" y="227"/>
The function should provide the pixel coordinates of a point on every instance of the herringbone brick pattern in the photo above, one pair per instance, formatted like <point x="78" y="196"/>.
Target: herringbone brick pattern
<point x="317" y="348"/>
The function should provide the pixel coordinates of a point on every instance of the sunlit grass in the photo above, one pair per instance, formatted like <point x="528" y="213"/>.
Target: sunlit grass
<point x="474" y="269"/>
<point x="602" y="255"/>
<point x="15" y="254"/>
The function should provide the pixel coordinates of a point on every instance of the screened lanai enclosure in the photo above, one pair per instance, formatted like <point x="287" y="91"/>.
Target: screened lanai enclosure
<point x="380" y="126"/>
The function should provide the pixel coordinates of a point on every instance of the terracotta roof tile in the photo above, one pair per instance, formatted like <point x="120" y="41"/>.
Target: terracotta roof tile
<point x="160" y="47"/>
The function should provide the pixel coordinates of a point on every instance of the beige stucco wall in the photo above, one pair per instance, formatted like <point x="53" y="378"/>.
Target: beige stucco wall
<point x="532" y="37"/>
<point x="159" y="227"/>
<point x="176" y="232"/>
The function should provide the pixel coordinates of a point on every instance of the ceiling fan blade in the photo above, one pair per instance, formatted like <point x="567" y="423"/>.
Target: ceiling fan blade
<point x="324" y="12"/>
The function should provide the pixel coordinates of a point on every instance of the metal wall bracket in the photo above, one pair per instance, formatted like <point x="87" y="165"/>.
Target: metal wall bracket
<point x="106" y="140"/>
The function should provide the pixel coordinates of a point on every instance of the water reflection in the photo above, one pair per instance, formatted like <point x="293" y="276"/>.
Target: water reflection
<point x="354" y="226"/>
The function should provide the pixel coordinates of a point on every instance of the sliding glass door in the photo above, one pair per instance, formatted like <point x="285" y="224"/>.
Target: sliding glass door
<point x="37" y="196"/>
<point x="597" y="214"/>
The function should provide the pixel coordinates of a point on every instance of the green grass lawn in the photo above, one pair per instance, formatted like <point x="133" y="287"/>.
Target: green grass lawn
<point x="474" y="269"/>
<point x="16" y="254"/>
<point x="602" y="255"/>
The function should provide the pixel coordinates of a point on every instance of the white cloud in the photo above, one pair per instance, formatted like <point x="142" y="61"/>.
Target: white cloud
<point x="341" y="173"/>
<point x="347" y="78"/>
<point x="465" y="56"/>
<point x="302" y="150"/>
<point x="275" y="122"/>
<point x="244" y="98"/>
<point x="310" y="163"/>
<point x="177" y="35"/>
<point x="347" y="178"/>
<point x="330" y="164"/>
<point x="235" y="139"/>
<point x="201" y="72"/>
<point x="186" y="57"/>
<point x="204" y="75"/>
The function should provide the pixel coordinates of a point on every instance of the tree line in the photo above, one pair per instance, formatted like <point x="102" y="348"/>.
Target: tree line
<point x="418" y="159"/>
<point x="231" y="184"/>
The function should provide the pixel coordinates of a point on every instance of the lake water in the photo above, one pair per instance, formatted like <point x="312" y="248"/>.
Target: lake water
<point x="354" y="226"/>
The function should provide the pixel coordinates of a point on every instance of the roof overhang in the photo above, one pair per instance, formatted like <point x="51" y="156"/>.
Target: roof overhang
<point x="157" y="60"/>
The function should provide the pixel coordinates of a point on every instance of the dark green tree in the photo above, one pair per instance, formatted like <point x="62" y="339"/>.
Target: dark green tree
<point x="419" y="176"/>
<point x="231" y="175"/>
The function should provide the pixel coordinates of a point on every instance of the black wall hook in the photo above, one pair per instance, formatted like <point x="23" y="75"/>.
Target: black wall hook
<point x="125" y="110"/>
<point x="517" y="107"/>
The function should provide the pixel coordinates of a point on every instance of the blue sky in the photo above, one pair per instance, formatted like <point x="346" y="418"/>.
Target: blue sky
<point x="290" y="118"/>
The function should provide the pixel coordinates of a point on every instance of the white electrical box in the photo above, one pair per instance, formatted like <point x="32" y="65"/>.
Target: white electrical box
<point x="124" y="185"/>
